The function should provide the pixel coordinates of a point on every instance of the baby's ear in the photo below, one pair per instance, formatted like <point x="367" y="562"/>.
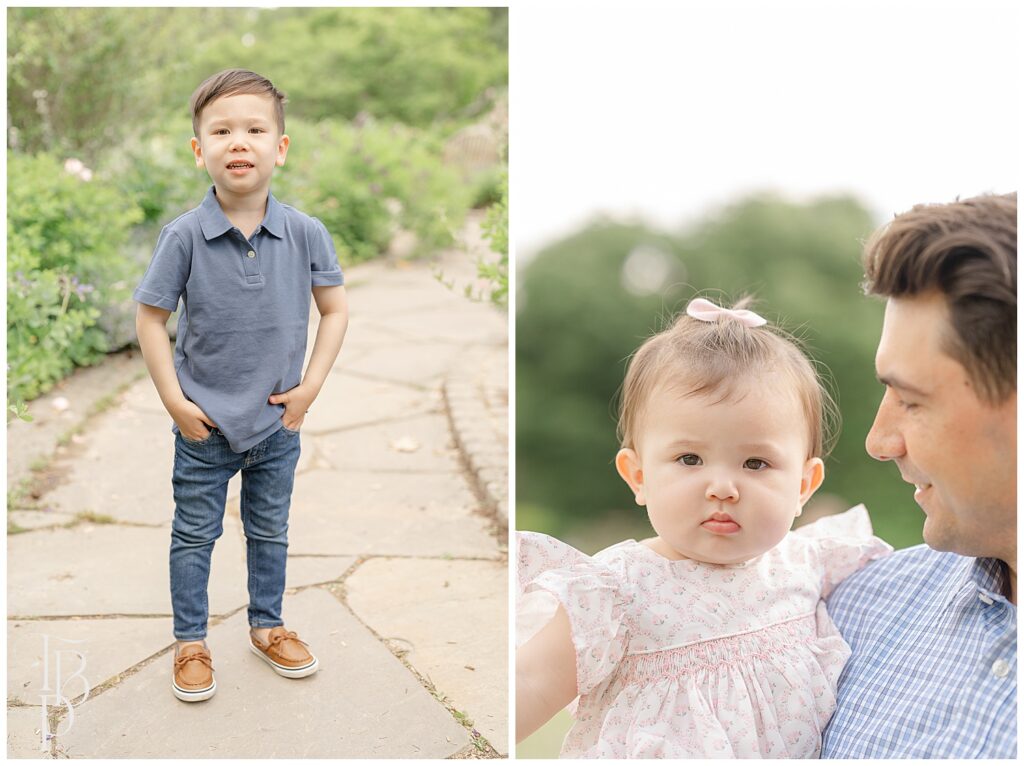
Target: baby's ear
<point x="813" y="476"/>
<point x="627" y="462"/>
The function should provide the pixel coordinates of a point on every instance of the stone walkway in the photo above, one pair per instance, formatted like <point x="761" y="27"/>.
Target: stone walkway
<point x="397" y="566"/>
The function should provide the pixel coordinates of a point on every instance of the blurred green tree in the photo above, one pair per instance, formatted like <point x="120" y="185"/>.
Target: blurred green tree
<point x="588" y="301"/>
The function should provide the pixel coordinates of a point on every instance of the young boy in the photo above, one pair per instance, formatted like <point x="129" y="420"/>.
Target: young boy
<point x="244" y="266"/>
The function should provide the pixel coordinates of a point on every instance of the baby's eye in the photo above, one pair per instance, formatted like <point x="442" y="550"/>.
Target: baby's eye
<point x="690" y="459"/>
<point x="218" y="131"/>
<point x="756" y="464"/>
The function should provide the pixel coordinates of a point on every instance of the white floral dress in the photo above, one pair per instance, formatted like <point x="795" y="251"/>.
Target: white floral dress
<point x="681" y="659"/>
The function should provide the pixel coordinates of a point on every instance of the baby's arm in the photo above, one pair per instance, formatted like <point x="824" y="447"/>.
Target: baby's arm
<point x="332" y="303"/>
<point x="545" y="675"/>
<point x="151" y="328"/>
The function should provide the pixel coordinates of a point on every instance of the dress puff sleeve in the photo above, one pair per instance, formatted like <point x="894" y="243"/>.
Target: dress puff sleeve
<point x="553" y="574"/>
<point x="845" y="543"/>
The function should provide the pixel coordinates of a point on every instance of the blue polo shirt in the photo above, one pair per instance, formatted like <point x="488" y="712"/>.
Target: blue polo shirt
<point x="244" y="309"/>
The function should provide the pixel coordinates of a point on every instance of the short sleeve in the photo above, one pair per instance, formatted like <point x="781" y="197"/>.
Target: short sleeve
<point x="168" y="272"/>
<point x="323" y="260"/>
<point x="595" y="599"/>
<point x="844" y="544"/>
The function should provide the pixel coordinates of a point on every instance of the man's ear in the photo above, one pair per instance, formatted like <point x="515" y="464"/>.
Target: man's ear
<point x="813" y="476"/>
<point x="627" y="462"/>
<point x="197" y="150"/>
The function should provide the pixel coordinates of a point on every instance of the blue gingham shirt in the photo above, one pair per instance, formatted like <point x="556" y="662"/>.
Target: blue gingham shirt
<point x="934" y="667"/>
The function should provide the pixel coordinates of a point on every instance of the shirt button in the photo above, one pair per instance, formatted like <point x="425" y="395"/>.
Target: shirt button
<point x="1000" y="668"/>
<point x="251" y="254"/>
<point x="984" y="599"/>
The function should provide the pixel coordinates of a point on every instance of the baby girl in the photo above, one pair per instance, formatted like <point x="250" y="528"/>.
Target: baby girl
<point x="710" y="639"/>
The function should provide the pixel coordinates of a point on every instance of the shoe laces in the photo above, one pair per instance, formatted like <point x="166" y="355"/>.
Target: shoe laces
<point x="201" y="656"/>
<point x="291" y="635"/>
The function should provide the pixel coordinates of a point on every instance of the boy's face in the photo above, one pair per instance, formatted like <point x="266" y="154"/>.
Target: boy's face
<point x="239" y="144"/>
<point x="722" y="481"/>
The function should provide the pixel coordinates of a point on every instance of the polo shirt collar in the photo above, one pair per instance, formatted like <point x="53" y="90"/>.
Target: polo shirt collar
<point x="214" y="223"/>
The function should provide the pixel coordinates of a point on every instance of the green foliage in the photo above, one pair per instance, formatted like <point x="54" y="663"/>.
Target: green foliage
<point x="81" y="78"/>
<point x="588" y="301"/>
<point x="63" y="261"/>
<point x="487" y="186"/>
<point x="158" y="171"/>
<point x="367" y="182"/>
<point x="417" y="66"/>
<point x="495" y="228"/>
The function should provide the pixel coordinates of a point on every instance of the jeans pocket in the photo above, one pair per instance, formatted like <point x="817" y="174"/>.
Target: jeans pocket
<point x="193" y="441"/>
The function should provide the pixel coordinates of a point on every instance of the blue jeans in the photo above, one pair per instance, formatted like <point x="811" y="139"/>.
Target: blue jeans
<point x="200" y="481"/>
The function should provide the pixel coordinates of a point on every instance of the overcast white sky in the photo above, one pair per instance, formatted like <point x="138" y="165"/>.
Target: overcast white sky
<point x="666" y="111"/>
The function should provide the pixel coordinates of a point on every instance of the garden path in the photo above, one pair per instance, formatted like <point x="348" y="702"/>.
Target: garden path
<point x="397" y="566"/>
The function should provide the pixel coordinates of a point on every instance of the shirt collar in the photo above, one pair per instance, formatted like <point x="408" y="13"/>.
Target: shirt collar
<point x="989" y="576"/>
<point x="214" y="223"/>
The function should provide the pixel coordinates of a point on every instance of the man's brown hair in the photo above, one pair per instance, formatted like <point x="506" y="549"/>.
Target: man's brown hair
<point x="968" y="251"/>
<point x="232" y="82"/>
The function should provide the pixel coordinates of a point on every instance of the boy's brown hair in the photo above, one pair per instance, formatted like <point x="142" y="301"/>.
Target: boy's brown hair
<point x="967" y="250"/>
<point x="704" y="358"/>
<point x="232" y="82"/>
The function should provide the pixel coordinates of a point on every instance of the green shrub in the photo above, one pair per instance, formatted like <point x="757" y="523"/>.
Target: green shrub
<point x="157" y="170"/>
<point x="64" y="260"/>
<point x="367" y="182"/>
<point x="495" y="228"/>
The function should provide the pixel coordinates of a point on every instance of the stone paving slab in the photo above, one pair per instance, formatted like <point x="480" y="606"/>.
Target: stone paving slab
<point x="139" y="489"/>
<point x="447" y="326"/>
<point x="142" y="396"/>
<point x="38" y="519"/>
<point x="363" y="703"/>
<point x="24" y="725"/>
<point x="312" y="570"/>
<point x="380" y="447"/>
<point x="381" y="513"/>
<point x="109" y="647"/>
<point x="410" y="362"/>
<point x="452" y="616"/>
<point x="349" y="401"/>
<point x="111" y="569"/>
<point x="82" y="389"/>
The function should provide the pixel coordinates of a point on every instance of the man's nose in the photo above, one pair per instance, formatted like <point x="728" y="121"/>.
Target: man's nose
<point x="722" y="487"/>
<point x="884" y="440"/>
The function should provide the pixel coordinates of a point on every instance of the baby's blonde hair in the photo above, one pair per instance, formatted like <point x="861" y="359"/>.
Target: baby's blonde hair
<point x="712" y="357"/>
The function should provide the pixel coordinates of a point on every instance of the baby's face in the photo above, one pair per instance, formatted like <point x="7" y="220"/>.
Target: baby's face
<point x="239" y="143"/>
<point x="722" y="481"/>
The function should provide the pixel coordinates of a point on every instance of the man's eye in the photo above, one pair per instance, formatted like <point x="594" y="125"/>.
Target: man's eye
<point x="756" y="464"/>
<point x="218" y="131"/>
<point x="690" y="459"/>
<point x="256" y="130"/>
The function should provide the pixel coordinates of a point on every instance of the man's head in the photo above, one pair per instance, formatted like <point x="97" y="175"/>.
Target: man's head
<point x="238" y="119"/>
<point x="948" y="357"/>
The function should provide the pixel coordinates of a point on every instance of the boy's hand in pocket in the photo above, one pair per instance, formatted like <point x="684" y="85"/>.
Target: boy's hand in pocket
<point x="192" y="421"/>
<point x="296" y="403"/>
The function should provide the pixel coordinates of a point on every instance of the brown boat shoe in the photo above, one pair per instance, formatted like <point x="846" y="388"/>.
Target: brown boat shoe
<point x="193" y="680"/>
<point x="285" y="652"/>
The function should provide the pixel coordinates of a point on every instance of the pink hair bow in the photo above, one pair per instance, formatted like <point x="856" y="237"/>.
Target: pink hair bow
<point x="706" y="311"/>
